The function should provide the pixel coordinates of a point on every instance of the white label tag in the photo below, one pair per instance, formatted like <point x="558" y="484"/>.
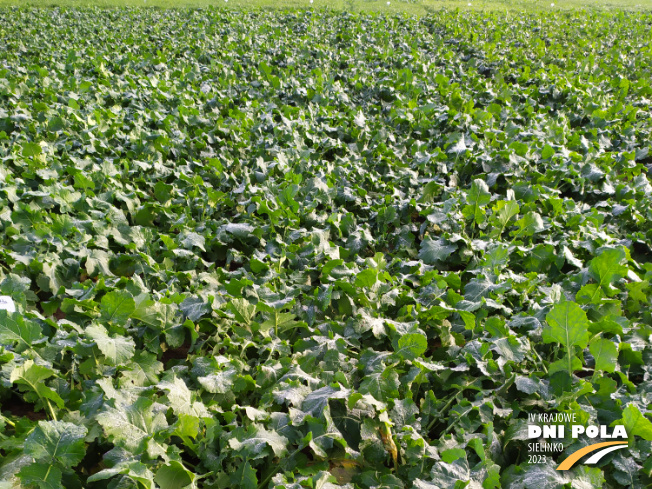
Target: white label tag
<point x="7" y="304"/>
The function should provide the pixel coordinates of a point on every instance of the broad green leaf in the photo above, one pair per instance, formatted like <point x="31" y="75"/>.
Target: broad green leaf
<point x="15" y="329"/>
<point x="547" y="152"/>
<point x="245" y="477"/>
<point x="56" y="124"/>
<point x="82" y="182"/>
<point x="458" y="146"/>
<point x="187" y="427"/>
<point x="30" y="379"/>
<point x="239" y="230"/>
<point x="568" y="364"/>
<point x="57" y="442"/>
<point x="382" y="385"/>
<point x="605" y="353"/>
<point x="526" y="384"/>
<point x="181" y="398"/>
<point x="117" y="306"/>
<point x="44" y="476"/>
<point x="243" y="310"/>
<point x="257" y="439"/>
<point x="315" y="402"/>
<point x="411" y="346"/>
<point x="281" y="321"/>
<point x="452" y="454"/>
<point x="173" y="475"/>
<point x="360" y="119"/>
<point x="607" y="267"/>
<point x="163" y="191"/>
<point x="589" y="294"/>
<point x="567" y="325"/>
<point x="143" y="369"/>
<point x="477" y="198"/>
<point x="530" y="224"/>
<point x="98" y="262"/>
<point x="366" y="278"/>
<point x="219" y="382"/>
<point x="539" y="476"/>
<point x="31" y="149"/>
<point x="433" y="251"/>
<point x="191" y="240"/>
<point x="195" y="308"/>
<point x="132" y="427"/>
<point x="477" y="288"/>
<point x="155" y="314"/>
<point x="635" y="423"/>
<point x="116" y="349"/>
<point x="504" y="211"/>
<point x="133" y="469"/>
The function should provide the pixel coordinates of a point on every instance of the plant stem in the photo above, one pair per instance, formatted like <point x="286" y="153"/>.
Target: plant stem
<point x="441" y="411"/>
<point x="54" y="416"/>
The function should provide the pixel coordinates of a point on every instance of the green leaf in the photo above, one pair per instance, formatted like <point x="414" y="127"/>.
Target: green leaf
<point x="605" y="353"/>
<point x="194" y="308"/>
<point x="281" y="321"/>
<point x="191" y="240"/>
<point x="31" y="149"/>
<point x="30" y="378"/>
<point x="529" y="224"/>
<point x="315" y="402"/>
<point x="433" y="251"/>
<point x="15" y="329"/>
<point x="477" y="198"/>
<point x="163" y="191"/>
<point x="547" y="152"/>
<point x="143" y="369"/>
<point x="173" y="475"/>
<point x="452" y="454"/>
<point x="243" y="310"/>
<point x="57" y="442"/>
<point x="567" y="325"/>
<point x="254" y="442"/>
<point x="117" y="306"/>
<point x="567" y="365"/>
<point x="83" y="182"/>
<point x="116" y="349"/>
<point x="458" y="145"/>
<point x="181" y="399"/>
<point x="56" y="124"/>
<point x="359" y="119"/>
<point x="533" y="477"/>
<point x="244" y="477"/>
<point x="366" y="278"/>
<point x="607" y="267"/>
<point x="133" y="469"/>
<point x="635" y="423"/>
<point x="41" y="475"/>
<point x="590" y="294"/>
<point x="411" y="346"/>
<point x="239" y="230"/>
<point x="219" y="382"/>
<point x="504" y="211"/>
<point x="383" y="386"/>
<point x="133" y="426"/>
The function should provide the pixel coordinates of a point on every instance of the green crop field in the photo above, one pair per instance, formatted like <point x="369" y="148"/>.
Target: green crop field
<point x="418" y="7"/>
<point x="324" y="248"/>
